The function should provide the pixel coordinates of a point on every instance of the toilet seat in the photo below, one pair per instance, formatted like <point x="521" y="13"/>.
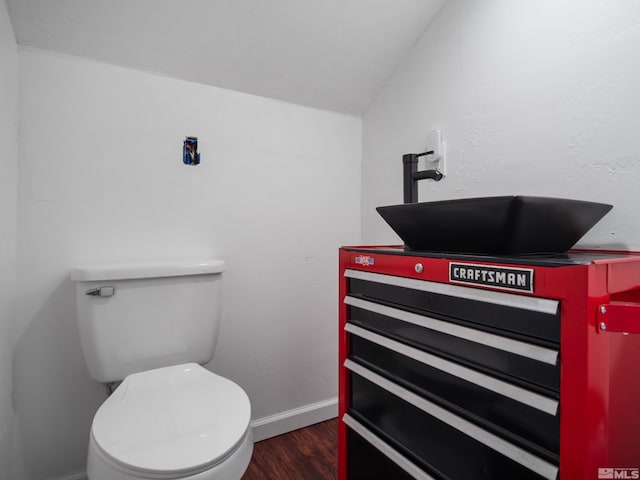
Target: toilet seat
<point x="172" y="422"/>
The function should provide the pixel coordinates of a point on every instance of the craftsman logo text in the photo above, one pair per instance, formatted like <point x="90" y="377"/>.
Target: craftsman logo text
<point x="519" y="279"/>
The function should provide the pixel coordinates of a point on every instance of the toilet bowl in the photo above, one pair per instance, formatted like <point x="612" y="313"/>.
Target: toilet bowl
<point x="176" y="422"/>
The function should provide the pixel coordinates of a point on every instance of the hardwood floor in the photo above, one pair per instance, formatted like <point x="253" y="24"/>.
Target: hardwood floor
<point x="310" y="453"/>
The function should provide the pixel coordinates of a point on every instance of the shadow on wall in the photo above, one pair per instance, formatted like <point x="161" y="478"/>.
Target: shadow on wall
<point x="55" y="398"/>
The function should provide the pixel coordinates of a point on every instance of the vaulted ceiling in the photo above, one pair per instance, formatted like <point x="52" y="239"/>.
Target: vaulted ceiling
<point x="329" y="54"/>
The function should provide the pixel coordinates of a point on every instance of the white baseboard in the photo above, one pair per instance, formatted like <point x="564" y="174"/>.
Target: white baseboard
<point x="283" y="422"/>
<point x="72" y="476"/>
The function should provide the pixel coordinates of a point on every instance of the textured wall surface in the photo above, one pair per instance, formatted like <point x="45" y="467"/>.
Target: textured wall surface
<point x="532" y="98"/>
<point x="102" y="179"/>
<point x="8" y="209"/>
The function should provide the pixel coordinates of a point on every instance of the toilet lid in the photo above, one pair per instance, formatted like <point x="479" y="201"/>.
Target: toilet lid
<point x="174" y="420"/>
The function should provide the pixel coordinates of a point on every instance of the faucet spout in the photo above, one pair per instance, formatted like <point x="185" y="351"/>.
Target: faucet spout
<point x="412" y="175"/>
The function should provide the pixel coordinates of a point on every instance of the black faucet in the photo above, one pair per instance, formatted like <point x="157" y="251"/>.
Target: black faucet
<point x="412" y="175"/>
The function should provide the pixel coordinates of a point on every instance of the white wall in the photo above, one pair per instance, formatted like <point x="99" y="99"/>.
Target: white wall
<point x="101" y="179"/>
<point x="537" y="98"/>
<point x="8" y="206"/>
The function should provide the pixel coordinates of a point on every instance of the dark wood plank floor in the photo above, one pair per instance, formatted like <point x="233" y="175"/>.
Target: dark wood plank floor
<point x="310" y="453"/>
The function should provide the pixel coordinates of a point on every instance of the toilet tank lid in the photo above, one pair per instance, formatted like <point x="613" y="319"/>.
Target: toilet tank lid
<point x="148" y="269"/>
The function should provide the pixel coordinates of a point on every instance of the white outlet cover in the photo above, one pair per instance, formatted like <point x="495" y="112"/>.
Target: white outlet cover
<point x="433" y="141"/>
<point x="437" y="160"/>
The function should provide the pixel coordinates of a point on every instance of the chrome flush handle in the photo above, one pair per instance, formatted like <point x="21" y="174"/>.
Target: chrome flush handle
<point x="109" y="291"/>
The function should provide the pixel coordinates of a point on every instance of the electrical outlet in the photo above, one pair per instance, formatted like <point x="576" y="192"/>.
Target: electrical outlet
<point x="442" y="163"/>
<point x="437" y="161"/>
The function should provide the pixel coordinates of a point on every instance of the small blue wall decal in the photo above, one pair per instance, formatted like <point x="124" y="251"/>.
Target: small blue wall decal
<point x="190" y="155"/>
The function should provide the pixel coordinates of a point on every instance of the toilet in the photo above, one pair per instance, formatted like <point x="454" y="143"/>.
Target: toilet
<point x="147" y="328"/>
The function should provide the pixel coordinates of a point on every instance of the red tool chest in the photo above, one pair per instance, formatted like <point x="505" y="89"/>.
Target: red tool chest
<point x="478" y="367"/>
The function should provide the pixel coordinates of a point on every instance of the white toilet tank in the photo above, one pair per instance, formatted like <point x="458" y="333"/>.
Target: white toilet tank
<point x="138" y="316"/>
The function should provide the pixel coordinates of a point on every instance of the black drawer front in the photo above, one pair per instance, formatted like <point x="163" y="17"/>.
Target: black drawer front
<point x="509" y="321"/>
<point x="438" y="448"/>
<point x="367" y="463"/>
<point x="528" y="373"/>
<point x="522" y="424"/>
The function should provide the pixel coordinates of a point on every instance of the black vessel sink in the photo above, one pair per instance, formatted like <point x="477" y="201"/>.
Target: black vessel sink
<point x="512" y="225"/>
